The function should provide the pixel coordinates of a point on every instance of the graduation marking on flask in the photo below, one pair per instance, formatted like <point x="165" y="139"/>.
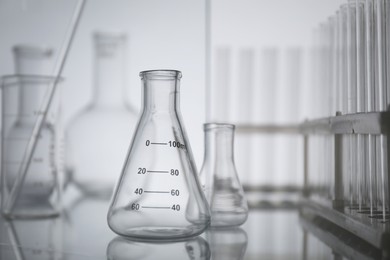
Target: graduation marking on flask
<point x="172" y="172"/>
<point x="173" y="144"/>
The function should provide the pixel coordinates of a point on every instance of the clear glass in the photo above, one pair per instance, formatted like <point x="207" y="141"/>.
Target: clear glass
<point x="381" y="105"/>
<point x="387" y="48"/>
<point x="43" y="239"/>
<point x="39" y="196"/>
<point x="192" y="249"/>
<point x="344" y="57"/>
<point x="158" y="194"/>
<point x="32" y="60"/>
<point x="370" y="99"/>
<point x="219" y="177"/>
<point x="98" y="136"/>
<point x="36" y="194"/>
<point x="361" y="106"/>
<point x="227" y="243"/>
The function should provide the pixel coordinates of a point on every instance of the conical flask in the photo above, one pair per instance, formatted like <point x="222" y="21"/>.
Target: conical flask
<point x="98" y="136"/>
<point x="219" y="178"/>
<point x="158" y="194"/>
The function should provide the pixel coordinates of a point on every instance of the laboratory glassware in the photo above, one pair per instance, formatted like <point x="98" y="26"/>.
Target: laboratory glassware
<point x="30" y="188"/>
<point x="33" y="235"/>
<point x="219" y="177"/>
<point x="32" y="143"/>
<point x="32" y="59"/>
<point x="192" y="249"/>
<point x="98" y="136"/>
<point x="381" y="105"/>
<point x="244" y="112"/>
<point x="361" y="105"/>
<point x="39" y="194"/>
<point x="370" y="98"/>
<point x="158" y="194"/>
<point x="227" y="243"/>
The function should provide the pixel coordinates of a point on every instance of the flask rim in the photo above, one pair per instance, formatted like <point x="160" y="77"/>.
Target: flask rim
<point x="209" y="126"/>
<point x="161" y="73"/>
<point x="104" y="38"/>
<point x="32" y="51"/>
<point x="16" y="79"/>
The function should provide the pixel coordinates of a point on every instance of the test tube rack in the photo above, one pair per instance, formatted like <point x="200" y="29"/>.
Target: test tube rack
<point x="333" y="206"/>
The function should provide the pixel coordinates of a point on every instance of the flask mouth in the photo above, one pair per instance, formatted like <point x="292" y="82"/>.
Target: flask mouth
<point x="160" y="74"/>
<point x="17" y="80"/>
<point x="209" y="126"/>
<point x="32" y="51"/>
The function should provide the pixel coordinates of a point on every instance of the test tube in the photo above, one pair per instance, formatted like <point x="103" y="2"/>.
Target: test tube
<point x="333" y="20"/>
<point x="344" y="55"/>
<point x="318" y="102"/>
<point x="245" y="83"/>
<point x="335" y="93"/>
<point x="352" y="100"/>
<point x="381" y="104"/>
<point x="387" y="29"/>
<point x="370" y="99"/>
<point x="288" y="113"/>
<point x="387" y="48"/>
<point x="320" y="91"/>
<point x="334" y="30"/>
<point x="327" y="88"/>
<point x="360" y="106"/>
<point x="269" y="68"/>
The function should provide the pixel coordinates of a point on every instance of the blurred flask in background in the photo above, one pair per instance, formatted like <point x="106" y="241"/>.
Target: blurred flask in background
<point x="97" y="138"/>
<point x="38" y="194"/>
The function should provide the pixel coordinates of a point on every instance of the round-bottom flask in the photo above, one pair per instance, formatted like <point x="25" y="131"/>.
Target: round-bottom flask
<point x="219" y="177"/>
<point x="158" y="194"/>
<point x="98" y="136"/>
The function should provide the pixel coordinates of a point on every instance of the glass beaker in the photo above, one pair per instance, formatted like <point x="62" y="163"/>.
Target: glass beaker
<point x="98" y="136"/>
<point x="39" y="195"/>
<point x="219" y="178"/>
<point x="158" y="194"/>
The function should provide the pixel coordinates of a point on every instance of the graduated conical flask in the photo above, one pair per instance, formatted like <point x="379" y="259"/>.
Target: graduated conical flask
<point x="158" y="194"/>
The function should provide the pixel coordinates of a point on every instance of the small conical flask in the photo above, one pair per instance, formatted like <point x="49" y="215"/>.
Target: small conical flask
<point x="219" y="178"/>
<point x="158" y="194"/>
<point x="98" y="136"/>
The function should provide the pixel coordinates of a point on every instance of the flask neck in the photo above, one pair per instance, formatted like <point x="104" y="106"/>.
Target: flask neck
<point x="219" y="142"/>
<point x="32" y="60"/>
<point x="161" y="93"/>
<point x="109" y="69"/>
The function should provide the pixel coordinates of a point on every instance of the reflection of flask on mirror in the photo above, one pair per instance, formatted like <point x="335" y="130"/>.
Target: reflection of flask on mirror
<point x="219" y="177"/>
<point x="227" y="243"/>
<point x="97" y="138"/>
<point x="158" y="194"/>
<point x="192" y="249"/>
<point x="29" y="241"/>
